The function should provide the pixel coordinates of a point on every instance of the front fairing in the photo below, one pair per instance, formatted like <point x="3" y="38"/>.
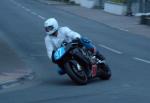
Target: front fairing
<point x="62" y="53"/>
<point x="59" y="53"/>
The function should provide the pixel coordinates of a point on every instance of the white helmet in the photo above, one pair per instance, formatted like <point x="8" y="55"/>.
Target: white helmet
<point x="51" y="26"/>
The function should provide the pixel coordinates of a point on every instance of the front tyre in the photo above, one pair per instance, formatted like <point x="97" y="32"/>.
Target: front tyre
<point x="75" y="72"/>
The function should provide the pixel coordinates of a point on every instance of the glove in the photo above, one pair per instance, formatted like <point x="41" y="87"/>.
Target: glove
<point x="77" y="40"/>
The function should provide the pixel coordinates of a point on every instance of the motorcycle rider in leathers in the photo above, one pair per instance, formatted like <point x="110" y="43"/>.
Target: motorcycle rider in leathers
<point x="56" y="36"/>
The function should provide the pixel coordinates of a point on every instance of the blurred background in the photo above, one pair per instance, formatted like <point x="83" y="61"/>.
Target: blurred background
<point x="119" y="7"/>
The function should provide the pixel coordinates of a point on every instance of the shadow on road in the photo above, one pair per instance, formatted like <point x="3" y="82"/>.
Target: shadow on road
<point x="68" y="82"/>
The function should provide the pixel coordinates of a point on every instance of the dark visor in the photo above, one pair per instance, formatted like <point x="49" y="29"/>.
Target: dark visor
<point x="49" y="28"/>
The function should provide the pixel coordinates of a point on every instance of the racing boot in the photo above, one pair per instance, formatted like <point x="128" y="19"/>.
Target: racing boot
<point x="61" y="72"/>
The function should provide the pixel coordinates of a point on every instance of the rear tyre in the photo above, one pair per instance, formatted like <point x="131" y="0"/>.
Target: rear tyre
<point x="75" y="72"/>
<point x="105" y="72"/>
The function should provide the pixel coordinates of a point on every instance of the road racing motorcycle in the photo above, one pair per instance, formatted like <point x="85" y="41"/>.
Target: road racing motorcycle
<point x="81" y="61"/>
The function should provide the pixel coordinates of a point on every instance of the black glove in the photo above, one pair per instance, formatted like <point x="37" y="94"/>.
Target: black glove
<point x="77" y="40"/>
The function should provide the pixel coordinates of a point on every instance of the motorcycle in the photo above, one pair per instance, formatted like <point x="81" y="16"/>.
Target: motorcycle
<point x="81" y="61"/>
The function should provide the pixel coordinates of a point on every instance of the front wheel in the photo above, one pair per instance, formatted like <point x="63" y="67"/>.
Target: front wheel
<point x="76" y="72"/>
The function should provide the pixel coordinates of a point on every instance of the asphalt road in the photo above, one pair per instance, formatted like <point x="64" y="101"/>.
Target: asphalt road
<point x="128" y="55"/>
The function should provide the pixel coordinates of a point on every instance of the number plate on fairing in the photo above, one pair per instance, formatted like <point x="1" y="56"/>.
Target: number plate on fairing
<point x="59" y="53"/>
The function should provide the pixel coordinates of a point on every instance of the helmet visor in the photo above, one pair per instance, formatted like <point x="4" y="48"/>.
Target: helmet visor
<point x="49" y="28"/>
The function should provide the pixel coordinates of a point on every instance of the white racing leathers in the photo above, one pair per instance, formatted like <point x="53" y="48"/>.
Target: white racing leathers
<point x="64" y="34"/>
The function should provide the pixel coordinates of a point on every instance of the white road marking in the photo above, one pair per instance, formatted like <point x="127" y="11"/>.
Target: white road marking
<point x="123" y="29"/>
<point x="23" y="7"/>
<point x="33" y="13"/>
<point x="41" y="17"/>
<point x="142" y="60"/>
<point x="28" y="10"/>
<point x="49" y="3"/>
<point x="110" y="49"/>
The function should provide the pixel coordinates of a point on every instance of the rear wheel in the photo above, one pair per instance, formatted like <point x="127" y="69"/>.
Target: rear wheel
<point x="105" y="72"/>
<point x="76" y="72"/>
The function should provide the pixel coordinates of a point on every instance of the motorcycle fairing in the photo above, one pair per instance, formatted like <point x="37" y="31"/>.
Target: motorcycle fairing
<point x="59" y="53"/>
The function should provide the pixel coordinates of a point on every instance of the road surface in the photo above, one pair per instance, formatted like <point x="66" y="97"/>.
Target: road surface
<point x="128" y="55"/>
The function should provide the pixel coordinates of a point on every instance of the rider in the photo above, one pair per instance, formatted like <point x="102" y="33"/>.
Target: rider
<point x="56" y="35"/>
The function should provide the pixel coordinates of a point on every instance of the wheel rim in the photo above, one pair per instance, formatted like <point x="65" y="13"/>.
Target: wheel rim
<point x="78" y="72"/>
